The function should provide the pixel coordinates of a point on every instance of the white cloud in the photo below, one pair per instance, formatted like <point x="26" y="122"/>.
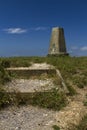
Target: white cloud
<point x="83" y="48"/>
<point x="74" y="48"/>
<point x="15" y="30"/>
<point x="70" y="51"/>
<point x="39" y="28"/>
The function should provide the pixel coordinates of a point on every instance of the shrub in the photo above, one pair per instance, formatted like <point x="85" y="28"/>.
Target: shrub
<point x="55" y="127"/>
<point x="71" y="90"/>
<point x="4" y="76"/>
<point x="5" y="98"/>
<point x="5" y="63"/>
<point x="51" y="100"/>
<point x="80" y="81"/>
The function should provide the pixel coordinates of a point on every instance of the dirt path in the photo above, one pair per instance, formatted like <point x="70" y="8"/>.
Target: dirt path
<point x="74" y="112"/>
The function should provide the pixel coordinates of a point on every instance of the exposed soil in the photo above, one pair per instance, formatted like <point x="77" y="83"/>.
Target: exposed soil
<point x="71" y="115"/>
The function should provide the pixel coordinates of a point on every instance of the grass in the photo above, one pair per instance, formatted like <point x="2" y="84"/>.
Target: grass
<point x="22" y="61"/>
<point x="5" y="99"/>
<point x="72" y="91"/>
<point x="55" y="127"/>
<point x="31" y="74"/>
<point x="52" y="99"/>
<point x="80" y="80"/>
<point x="49" y="100"/>
<point x="4" y="78"/>
<point x="73" y="69"/>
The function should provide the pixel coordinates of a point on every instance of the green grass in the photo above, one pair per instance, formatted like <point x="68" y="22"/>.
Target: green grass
<point x="72" y="91"/>
<point x="50" y="100"/>
<point x="4" y="75"/>
<point x="4" y="78"/>
<point x="21" y="61"/>
<point x="73" y="69"/>
<point x="5" y="99"/>
<point x="55" y="127"/>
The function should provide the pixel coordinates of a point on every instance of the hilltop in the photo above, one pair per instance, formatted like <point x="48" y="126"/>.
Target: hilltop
<point x="64" y="110"/>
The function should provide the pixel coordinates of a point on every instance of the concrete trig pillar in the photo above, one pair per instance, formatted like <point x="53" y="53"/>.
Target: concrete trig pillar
<point x="57" y="42"/>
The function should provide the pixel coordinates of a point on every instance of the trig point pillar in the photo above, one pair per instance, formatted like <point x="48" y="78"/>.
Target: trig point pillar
<point x="57" y="42"/>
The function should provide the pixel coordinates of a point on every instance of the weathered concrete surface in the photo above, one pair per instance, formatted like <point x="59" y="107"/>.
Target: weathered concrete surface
<point x="36" y="70"/>
<point x="57" y="42"/>
<point x="29" y="85"/>
<point x="24" y="73"/>
<point x="65" y="89"/>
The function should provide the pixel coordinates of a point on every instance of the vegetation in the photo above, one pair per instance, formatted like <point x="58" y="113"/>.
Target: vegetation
<point x="71" y="90"/>
<point x="22" y="61"/>
<point x="4" y="75"/>
<point x="73" y="69"/>
<point x="5" y="99"/>
<point x="5" y="63"/>
<point x="49" y="100"/>
<point x="55" y="127"/>
<point x="4" y="78"/>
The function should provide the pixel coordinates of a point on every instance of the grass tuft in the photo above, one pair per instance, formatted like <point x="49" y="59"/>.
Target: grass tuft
<point x="55" y="127"/>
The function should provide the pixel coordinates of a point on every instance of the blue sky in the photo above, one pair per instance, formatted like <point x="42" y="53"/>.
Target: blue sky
<point x="25" y="26"/>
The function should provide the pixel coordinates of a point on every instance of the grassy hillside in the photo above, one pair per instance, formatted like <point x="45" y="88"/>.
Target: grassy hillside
<point x="73" y="70"/>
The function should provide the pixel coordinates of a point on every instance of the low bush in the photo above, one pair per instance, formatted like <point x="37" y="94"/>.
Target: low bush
<point x="5" y="63"/>
<point x="72" y="91"/>
<point x="5" y="99"/>
<point x="4" y="76"/>
<point x="80" y="81"/>
<point x="55" y="127"/>
<point x="50" y="100"/>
